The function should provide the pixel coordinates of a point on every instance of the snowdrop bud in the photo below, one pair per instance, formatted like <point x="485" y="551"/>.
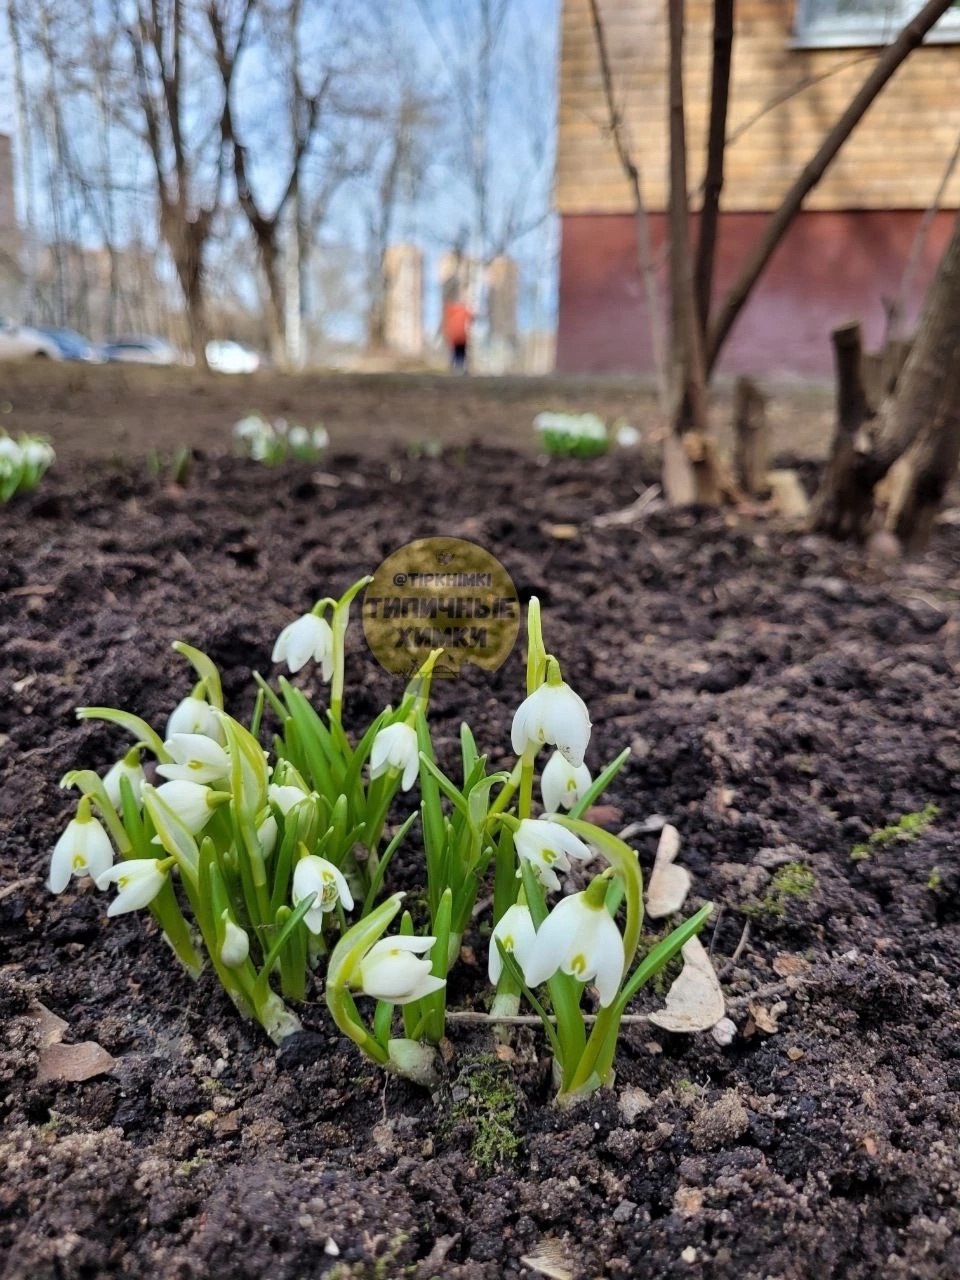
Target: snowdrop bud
<point x="396" y="747"/>
<point x="267" y="834"/>
<point x="315" y="875"/>
<point x="286" y="797"/>
<point x="196" y="758"/>
<point x="554" y="714"/>
<point x="192" y="802"/>
<point x="548" y="847"/>
<point x="580" y="937"/>
<point x="393" y="970"/>
<point x="83" y="849"/>
<point x="195" y="715"/>
<point x="308" y="637"/>
<point x="561" y="785"/>
<point x="138" y="881"/>
<point x="236" y="943"/>
<point x="515" y="931"/>
<point x="129" y="767"/>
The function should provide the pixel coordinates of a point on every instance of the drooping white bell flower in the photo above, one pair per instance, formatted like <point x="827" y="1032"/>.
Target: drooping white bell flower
<point x="581" y="938"/>
<point x="236" y="943"/>
<point x="124" y="768"/>
<point x="396" y="747"/>
<point x="267" y="834"/>
<point x="516" y="932"/>
<point x="84" y="849"/>
<point x="548" y="847"/>
<point x="553" y="714"/>
<point x="392" y="970"/>
<point x="286" y="797"/>
<point x="191" y="802"/>
<point x="196" y="758"/>
<point x="195" y="715"/>
<point x="315" y="875"/>
<point x="138" y="881"/>
<point x="308" y="637"/>
<point x="561" y="784"/>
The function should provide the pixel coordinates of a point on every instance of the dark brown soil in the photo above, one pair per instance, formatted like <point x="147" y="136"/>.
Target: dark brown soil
<point x="784" y="699"/>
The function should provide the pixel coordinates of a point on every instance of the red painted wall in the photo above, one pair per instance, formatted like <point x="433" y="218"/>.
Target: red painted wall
<point x="829" y="268"/>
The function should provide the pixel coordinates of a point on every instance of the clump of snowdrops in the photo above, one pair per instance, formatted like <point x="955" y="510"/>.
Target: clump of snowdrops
<point x="576" y="435"/>
<point x="277" y="440"/>
<point x="23" y="463"/>
<point x="268" y="856"/>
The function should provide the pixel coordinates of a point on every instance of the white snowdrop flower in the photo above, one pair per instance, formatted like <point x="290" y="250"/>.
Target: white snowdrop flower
<point x="138" y="881"/>
<point x="267" y="834"/>
<point x="562" y="785"/>
<point x="315" y="875"/>
<point x="627" y="436"/>
<point x="196" y="758"/>
<point x="393" y="970"/>
<point x="320" y="437"/>
<point x="396" y="747"/>
<point x="250" y="427"/>
<point x="582" y="939"/>
<point x="190" y="801"/>
<point x="195" y="715"/>
<point x="236" y="943"/>
<point x="286" y="797"/>
<point x="123" y="769"/>
<point x="83" y="849"/>
<point x="10" y="449"/>
<point x="515" y="931"/>
<point x="548" y="847"/>
<point x="553" y="713"/>
<point x="37" y="453"/>
<point x="308" y="637"/>
<point x="299" y="437"/>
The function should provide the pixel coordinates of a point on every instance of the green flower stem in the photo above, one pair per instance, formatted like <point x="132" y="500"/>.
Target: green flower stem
<point x="166" y="911"/>
<point x="565" y="992"/>
<point x="525" y="801"/>
<point x="344" y="1012"/>
<point x="507" y="791"/>
<point x="341" y="619"/>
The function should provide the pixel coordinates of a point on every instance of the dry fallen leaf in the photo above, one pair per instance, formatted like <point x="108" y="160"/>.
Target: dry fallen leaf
<point x="551" y="1261"/>
<point x="767" y="1020"/>
<point x="669" y="884"/>
<point x="60" y="1061"/>
<point x="695" y="1001"/>
<point x="786" y="964"/>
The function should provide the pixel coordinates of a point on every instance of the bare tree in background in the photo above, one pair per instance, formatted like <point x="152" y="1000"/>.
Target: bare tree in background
<point x="716" y="324"/>
<point x="189" y="155"/>
<point x="301" y="117"/>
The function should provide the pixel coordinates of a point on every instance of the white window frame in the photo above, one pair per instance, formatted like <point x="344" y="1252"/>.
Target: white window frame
<point x="814" y="29"/>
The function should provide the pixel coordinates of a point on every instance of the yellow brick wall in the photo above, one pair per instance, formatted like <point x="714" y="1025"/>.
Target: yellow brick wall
<point x="894" y="160"/>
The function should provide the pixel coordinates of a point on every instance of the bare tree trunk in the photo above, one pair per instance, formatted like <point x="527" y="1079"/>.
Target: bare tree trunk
<point x="923" y="409"/>
<point x="631" y="169"/>
<point x="691" y="470"/>
<point x="716" y="149"/>
<point x="751" y="437"/>
<point x="890" y="60"/>
<point x="838" y="504"/>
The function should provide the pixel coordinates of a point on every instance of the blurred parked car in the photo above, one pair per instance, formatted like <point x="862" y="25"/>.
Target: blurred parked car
<point x="19" y="342"/>
<point x="227" y="356"/>
<point x="141" y="351"/>
<point x="73" y="345"/>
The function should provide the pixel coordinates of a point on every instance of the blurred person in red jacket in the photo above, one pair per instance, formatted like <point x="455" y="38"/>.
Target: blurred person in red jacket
<point x="457" y="318"/>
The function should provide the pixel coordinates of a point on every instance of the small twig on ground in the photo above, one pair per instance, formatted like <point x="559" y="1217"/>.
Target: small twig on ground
<point x="737" y="952"/>
<point x="648" y="501"/>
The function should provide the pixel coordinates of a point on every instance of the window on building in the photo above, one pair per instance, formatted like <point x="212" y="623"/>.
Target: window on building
<point x="850" y="23"/>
